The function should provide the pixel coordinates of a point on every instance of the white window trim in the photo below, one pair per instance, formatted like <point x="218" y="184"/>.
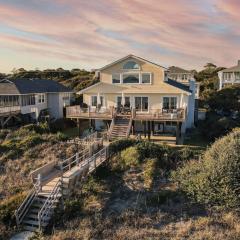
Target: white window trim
<point x="120" y="78"/>
<point x="140" y="78"/>
<point x="150" y="78"/>
<point x="131" y="69"/>
<point x="134" y="101"/>
<point x="169" y="96"/>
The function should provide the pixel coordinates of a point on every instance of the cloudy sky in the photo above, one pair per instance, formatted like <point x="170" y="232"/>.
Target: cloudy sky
<point x="91" y="33"/>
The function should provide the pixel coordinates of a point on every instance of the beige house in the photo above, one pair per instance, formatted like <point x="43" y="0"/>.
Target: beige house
<point x="136" y="95"/>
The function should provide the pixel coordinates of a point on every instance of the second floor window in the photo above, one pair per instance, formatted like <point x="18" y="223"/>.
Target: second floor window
<point x="116" y="78"/>
<point x="41" y="98"/>
<point x="146" y="78"/>
<point x="28" y="100"/>
<point x="130" y="78"/>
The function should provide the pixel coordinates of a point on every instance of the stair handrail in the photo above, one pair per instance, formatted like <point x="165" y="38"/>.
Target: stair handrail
<point x="47" y="206"/>
<point x="129" y="128"/>
<point x="24" y="207"/>
<point x="111" y="128"/>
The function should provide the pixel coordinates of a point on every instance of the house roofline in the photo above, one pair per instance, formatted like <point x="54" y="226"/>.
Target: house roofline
<point x="85" y="89"/>
<point x="128" y="56"/>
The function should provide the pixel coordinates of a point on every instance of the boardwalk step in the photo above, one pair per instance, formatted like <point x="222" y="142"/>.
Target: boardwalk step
<point x="30" y="228"/>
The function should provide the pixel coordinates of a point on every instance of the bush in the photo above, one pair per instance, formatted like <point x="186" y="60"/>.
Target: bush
<point x="130" y="157"/>
<point x="151" y="150"/>
<point x="119" y="145"/>
<point x="149" y="171"/>
<point x="8" y="207"/>
<point x="215" y="179"/>
<point x="61" y="124"/>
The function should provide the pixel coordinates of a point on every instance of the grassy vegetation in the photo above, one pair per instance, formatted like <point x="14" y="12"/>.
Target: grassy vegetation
<point x="138" y="201"/>
<point x="22" y="151"/>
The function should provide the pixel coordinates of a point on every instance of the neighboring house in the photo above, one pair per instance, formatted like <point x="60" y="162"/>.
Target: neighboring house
<point x="136" y="94"/>
<point x="183" y="76"/>
<point x="229" y="76"/>
<point x="28" y="98"/>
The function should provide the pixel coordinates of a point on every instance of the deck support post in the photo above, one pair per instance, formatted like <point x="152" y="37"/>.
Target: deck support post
<point x="144" y="125"/>
<point x="177" y="134"/>
<point x="78" y="124"/>
<point x="149" y="130"/>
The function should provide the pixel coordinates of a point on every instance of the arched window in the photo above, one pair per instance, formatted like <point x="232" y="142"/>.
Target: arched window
<point x="131" y="65"/>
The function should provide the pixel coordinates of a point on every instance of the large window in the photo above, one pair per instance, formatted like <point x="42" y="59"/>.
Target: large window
<point x="28" y="100"/>
<point x="116" y="78"/>
<point x="141" y="104"/>
<point x="131" y="65"/>
<point x="95" y="102"/>
<point x="227" y="76"/>
<point x="41" y="98"/>
<point x="169" y="102"/>
<point x="130" y="78"/>
<point x="146" y="78"/>
<point x="8" y="101"/>
<point x="237" y="75"/>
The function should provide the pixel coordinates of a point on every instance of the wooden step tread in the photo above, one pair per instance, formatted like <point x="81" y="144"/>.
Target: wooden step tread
<point x="30" y="228"/>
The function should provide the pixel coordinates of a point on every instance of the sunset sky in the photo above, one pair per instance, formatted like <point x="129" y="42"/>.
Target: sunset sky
<point x="91" y="33"/>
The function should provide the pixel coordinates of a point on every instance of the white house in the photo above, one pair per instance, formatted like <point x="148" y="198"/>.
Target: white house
<point x="28" y="98"/>
<point x="229" y="76"/>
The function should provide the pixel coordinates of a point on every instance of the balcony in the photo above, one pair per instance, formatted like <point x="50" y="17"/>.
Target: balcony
<point x="9" y="110"/>
<point x="109" y="113"/>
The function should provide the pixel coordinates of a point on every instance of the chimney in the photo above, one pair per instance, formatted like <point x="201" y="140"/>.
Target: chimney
<point x="238" y="62"/>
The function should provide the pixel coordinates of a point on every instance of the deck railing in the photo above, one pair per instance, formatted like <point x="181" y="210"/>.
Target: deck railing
<point x="110" y="113"/>
<point x="90" y="112"/>
<point x="9" y="109"/>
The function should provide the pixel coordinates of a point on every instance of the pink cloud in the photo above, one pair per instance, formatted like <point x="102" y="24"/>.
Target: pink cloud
<point x="177" y="32"/>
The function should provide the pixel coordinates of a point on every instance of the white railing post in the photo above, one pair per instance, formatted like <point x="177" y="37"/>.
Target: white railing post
<point x="39" y="182"/>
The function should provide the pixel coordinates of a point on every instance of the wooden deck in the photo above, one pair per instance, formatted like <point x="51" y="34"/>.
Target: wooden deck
<point x="76" y="112"/>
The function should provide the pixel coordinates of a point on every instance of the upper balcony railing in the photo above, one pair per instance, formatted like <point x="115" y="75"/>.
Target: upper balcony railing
<point x="5" y="110"/>
<point x="109" y="113"/>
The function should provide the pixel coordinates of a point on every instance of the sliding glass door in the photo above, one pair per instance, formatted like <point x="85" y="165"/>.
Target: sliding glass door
<point x="141" y="104"/>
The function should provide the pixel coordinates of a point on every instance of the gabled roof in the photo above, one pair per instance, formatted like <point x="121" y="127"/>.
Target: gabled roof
<point x="174" y="69"/>
<point x="232" y="69"/>
<point x="28" y="86"/>
<point x="130" y="56"/>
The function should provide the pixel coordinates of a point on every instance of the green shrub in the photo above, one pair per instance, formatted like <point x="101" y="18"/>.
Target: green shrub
<point x="8" y="207"/>
<point x="149" y="168"/>
<point x="61" y="136"/>
<point x="29" y="141"/>
<point x="215" y="180"/>
<point x="119" y="145"/>
<point x="130" y="157"/>
<point x="151" y="150"/>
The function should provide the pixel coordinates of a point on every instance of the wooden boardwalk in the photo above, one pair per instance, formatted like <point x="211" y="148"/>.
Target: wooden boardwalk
<point x="55" y="182"/>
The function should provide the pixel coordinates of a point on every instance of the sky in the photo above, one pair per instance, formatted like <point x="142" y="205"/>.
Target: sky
<point x="92" y="33"/>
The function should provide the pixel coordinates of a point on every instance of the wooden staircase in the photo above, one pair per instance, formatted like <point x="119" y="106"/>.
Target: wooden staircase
<point x="38" y="207"/>
<point x="120" y="128"/>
